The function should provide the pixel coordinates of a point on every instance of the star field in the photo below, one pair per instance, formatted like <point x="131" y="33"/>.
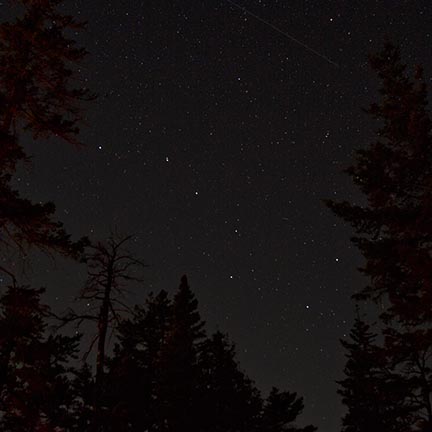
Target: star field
<point x="213" y="141"/>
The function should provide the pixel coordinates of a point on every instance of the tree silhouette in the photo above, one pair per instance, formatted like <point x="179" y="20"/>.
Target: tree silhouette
<point x="133" y="371"/>
<point x="409" y="351"/>
<point x="165" y="375"/>
<point x="374" y="394"/>
<point x="111" y="266"/>
<point x="281" y="410"/>
<point x="177" y="363"/>
<point x="226" y="398"/>
<point x="395" y="175"/>
<point x="34" y="385"/>
<point x="393" y="230"/>
<point x="36" y="74"/>
<point x="39" y="95"/>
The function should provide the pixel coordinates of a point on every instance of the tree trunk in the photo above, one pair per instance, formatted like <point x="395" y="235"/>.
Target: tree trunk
<point x="100" y="359"/>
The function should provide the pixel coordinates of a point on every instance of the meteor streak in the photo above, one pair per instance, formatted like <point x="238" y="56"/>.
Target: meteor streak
<point x="292" y="38"/>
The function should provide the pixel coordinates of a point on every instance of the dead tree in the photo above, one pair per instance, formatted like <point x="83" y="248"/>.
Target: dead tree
<point x="111" y="269"/>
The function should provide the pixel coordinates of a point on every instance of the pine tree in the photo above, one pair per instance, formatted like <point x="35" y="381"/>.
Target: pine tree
<point x="34" y="386"/>
<point x="374" y="394"/>
<point x="177" y="364"/>
<point x="133" y="372"/>
<point x="37" y="95"/>
<point x="395" y="175"/>
<point x="37" y="68"/>
<point x="393" y="230"/>
<point x="226" y="398"/>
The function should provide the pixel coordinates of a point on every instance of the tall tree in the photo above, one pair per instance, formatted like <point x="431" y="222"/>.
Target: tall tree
<point x="375" y="396"/>
<point x="177" y="364"/>
<point x="393" y="230"/>
<point x="110" y="268"/>
<point x="40" y="94"/>
<point x="395" y="175"/>
<point x="35" y="391"/>
<point x="133" y="374"/>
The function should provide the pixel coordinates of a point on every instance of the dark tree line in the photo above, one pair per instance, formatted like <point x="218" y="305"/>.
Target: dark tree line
<point x="165" y="374"/>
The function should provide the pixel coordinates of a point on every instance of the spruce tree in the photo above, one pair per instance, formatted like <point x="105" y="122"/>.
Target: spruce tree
<point x="177" y="364"/>
<point x="133" y="376"/>
<point x="395" y="175"/>
<point x="393" y="230"/>
<point x="375" y="396"/>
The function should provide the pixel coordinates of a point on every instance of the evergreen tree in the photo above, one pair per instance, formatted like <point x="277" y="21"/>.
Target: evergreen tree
<point x="35" y="390"/>
<point x="37" y="95"/>
<point x="375" y="396"/>
<point x="133" y="372"/>
<point x="36" y="78"/>
<point x="395" y="175"/>
<point x="393" y="230"/>
<point x="166" y="376"/>
<point x="177" y="364"/>
<point x="226" y="398"/>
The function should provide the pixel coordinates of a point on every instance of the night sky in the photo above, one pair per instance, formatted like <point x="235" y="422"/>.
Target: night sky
<point x="216" y="135"/>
